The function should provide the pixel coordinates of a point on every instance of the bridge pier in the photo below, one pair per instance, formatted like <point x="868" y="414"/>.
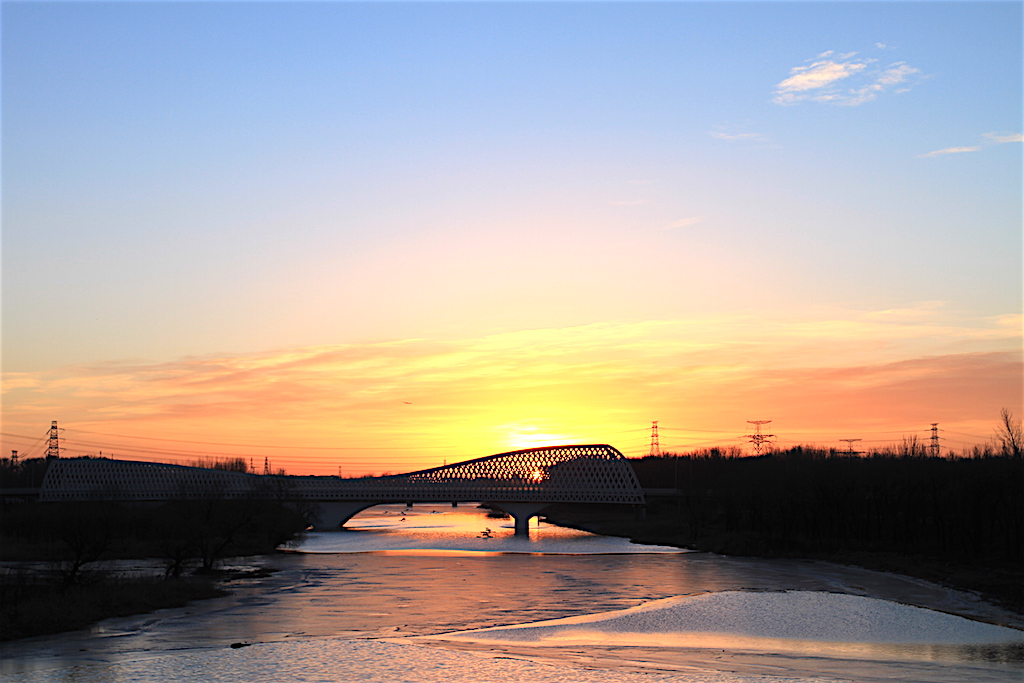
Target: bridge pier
<point x="331" y="515"/>
<point x="522" y="513"/>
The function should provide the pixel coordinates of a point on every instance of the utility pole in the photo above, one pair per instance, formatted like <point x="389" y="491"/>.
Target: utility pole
<point x="935" y="439"/>
<point x="655" y="446"/>
<point x="850" y="449"/>
<point x="757" y="438"/>
<point x="53" y="447"/>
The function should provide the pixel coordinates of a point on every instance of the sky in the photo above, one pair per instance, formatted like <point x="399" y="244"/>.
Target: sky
<point x="367" y="237"/>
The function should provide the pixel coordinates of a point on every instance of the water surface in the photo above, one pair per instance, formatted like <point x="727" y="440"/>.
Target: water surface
<point x="428" y="572"/>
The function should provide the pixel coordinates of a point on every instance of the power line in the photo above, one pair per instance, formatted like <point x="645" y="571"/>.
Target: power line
<point x="246" y="445"/>
<point x="851" y="442"/>
<point x="701" y="431"/>
<point x="976" y="436"/>
<point x="757" y="438"/>
<point x="270" y="446"/>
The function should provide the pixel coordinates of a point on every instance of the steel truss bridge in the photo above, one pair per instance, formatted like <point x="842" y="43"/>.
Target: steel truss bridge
<point x="522" y="483"/>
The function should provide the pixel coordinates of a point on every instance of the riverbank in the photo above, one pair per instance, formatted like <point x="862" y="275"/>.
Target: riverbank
<point x="315" y="617"/>
<point x="94" y="597"/>
<point x="30" y="606"/>
<point x="61" y="559"/>
<point x="1001" y="582"/>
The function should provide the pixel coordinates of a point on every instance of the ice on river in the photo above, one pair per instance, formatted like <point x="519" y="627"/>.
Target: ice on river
<point x="332" y="660"/>
<point x="785" y="615"/>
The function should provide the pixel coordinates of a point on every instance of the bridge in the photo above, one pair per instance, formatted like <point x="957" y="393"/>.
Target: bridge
<point x="522" y="483"/>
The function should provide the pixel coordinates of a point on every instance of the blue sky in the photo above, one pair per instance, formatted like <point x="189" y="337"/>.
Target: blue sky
<point x="186" y="179"/>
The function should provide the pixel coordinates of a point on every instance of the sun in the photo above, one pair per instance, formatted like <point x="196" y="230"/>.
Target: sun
<point x="521" y="436"/>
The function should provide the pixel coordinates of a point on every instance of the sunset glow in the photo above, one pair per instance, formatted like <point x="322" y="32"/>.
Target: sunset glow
<point x="378" y="237"/>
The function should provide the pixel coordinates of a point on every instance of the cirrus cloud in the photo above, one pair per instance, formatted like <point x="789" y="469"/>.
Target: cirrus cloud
<point x="1000" y="138"/>
<point x="949" y="150"/>
<point x="989" y="139"/>
<point x="733" y="137"/>
<point x="845" y="79"/>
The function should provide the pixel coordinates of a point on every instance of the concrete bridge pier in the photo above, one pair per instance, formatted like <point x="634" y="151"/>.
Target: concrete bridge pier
<point x="522" y="513"/>
<point x="332" y="515"/>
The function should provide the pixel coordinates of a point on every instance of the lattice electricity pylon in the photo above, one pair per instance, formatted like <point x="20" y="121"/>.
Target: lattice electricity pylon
<point x="655" y="445"/>
<point x="552" y="474"/>
<point x="53" y="446"/>
<point x="850" y="443"/>
<point x="757" y="438"/>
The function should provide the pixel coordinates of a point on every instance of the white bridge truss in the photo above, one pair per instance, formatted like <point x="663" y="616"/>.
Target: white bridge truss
<point x="520" y="482"/>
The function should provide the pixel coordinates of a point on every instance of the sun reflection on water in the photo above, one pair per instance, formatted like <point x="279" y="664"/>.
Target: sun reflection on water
<point x="433" y="529"/>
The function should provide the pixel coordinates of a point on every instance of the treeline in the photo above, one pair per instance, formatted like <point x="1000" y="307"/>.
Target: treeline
<point x="16" y="473"/>
<point x="194" y="532"/>
<point x="24" y="473"/>
<point x="63" y="582"/>
<point x="190" y="532"/>
<point x="806" y="501"/>
<point x="185" y="533"/>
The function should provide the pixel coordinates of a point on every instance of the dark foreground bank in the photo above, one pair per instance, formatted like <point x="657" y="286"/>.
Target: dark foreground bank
<point x="56" y="578"/>
<point x="34" y="606"/>
<point x="1000" y="582"/>
<point x="958" y="522"/>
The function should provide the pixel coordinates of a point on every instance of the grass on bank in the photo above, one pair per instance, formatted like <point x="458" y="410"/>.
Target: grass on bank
<point x="68" y="543"/>
<point x="32" y="606"/>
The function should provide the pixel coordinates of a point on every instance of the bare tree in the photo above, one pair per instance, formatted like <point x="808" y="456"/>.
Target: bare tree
<point x="1009" y="434"/>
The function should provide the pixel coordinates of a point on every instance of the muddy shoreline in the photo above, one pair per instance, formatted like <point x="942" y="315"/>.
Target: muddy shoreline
<point x="997" y="581"/>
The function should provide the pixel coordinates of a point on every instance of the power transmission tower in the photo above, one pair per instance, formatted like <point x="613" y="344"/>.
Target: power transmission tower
<point x="53" y="447"/>
<point x="266" y="465"/>
<point x="759" y="439"/>
<point x="655" y="445"/>
<point x="935" y="439"/>
<point x="850" y="449"/>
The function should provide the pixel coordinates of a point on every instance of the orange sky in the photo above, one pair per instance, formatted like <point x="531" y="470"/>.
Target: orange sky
<point x="382" y="236"/>
<point x="405" y="405"/>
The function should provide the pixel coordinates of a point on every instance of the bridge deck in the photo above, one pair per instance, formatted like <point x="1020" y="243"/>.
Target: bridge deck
<point x="559" y="474"/>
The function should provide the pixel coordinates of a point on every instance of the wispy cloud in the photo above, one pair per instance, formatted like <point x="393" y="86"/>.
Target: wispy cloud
<point x="949" y="150"/>
<point x="1000" y="138"/>
<point x="683" y="223"/>
<point x="408" y="404"/>
<point x="843" y="79"/>
<point x="988" y="140"/>
<point x="737" y="137"/>
<point x="820" y="74"/>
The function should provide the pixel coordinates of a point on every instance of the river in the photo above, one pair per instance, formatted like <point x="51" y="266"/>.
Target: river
<point x="403" y="596"/>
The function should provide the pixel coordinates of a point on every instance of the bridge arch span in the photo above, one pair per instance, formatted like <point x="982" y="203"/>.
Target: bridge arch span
<point x="520" y="482"/>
